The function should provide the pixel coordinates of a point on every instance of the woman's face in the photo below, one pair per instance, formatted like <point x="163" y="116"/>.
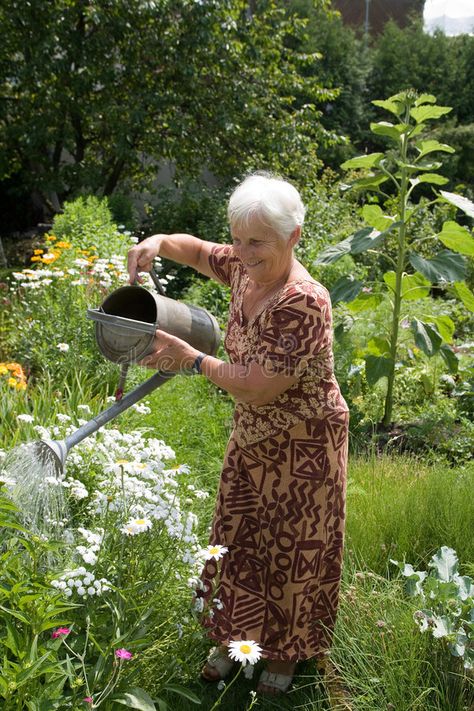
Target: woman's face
<point x="265" y="254"/>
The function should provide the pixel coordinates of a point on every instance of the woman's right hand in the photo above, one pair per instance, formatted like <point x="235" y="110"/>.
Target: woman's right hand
<point x="141" y="256"/>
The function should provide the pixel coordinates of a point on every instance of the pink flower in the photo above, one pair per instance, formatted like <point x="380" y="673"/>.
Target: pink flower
<point x="123" y="654"/>
<point x="60" y="632"/>
<point x="88" y="700"/>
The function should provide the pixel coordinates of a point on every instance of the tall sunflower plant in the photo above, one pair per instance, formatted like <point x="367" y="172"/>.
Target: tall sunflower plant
<point x="406" y="165"/>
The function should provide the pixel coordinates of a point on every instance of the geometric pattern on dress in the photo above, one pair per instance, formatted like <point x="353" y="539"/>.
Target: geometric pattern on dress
<point x="280" y="506"/>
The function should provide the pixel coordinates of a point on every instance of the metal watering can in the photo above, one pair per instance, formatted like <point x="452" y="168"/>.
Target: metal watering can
<point x="125" y="326"/>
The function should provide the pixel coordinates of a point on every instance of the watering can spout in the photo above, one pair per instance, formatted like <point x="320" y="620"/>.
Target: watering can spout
<point x="52" y="453"/>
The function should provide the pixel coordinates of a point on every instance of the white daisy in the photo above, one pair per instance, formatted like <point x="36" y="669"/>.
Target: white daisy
<point x="64" y="347"/>
<point x="215" y="552"/>
<point x="245" y="651"/>
<point x="136" y="525"/>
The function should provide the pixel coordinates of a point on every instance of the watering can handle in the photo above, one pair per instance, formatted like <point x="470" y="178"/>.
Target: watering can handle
<point x="156" y="281"/>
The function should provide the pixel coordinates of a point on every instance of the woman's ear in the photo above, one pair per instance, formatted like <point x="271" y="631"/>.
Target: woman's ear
<point x="295" y="236"/>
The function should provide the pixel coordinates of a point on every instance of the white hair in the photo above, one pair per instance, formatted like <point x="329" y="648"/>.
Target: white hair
<point x="274" y="201"/>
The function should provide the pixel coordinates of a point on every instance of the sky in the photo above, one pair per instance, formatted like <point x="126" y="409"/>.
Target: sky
<point x="451" y="8"/>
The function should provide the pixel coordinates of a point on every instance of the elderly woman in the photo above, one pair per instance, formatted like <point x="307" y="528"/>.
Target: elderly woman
<point x="280" y="508"/>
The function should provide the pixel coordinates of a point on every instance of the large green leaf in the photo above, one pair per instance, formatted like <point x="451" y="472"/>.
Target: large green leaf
<point x="365" y="161"/>
<point x="445" y="563"/>
<point x="334" y="252"/>
<point x="377" y="367"/>
<point x="366" y="239"/>
<point x="425" y="147"/>
<point x="136" y="698"/>
<point x="464" y="293"/>
<point x="459" y="201"/>
<point x="425" y="113"/>
<point x="394" y="107"/>
<point x="445" y="266"/>
<point x="457" y="237"/>
<point x="365" y="301"/>
<point x="374" y="216"/>
<point x="449" y="357"/>
<point x="427" y="338"/>
<point x="414" y="286"/>
<point x="425" y="99"/>
<point x="384" y="128"/>
<point x="432" y="178"/>
<point x="445" y="326"/>
<point x="371" y="182"/>
<point x="345" y="289"/>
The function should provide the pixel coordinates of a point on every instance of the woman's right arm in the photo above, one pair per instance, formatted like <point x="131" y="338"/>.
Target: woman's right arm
<point x="181" y="248"/>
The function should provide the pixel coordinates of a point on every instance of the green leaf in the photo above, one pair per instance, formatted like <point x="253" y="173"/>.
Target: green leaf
<point x="365" y="161"/>
<point x="377" y="367"/>
<point x="449" y="357"/>
<point x="369" y="238"/>
<point x="365" y="301"/>
<point x="459" y="201"/>
<point x="425" y="147"/>
<point x="394" y="107"/>
<point x="378" y="346"/>
<point x="445" y="563"/>
<point x="425" y="99"/>
<point x="334" y="252"/>
<point x="433" y="178"/>
<point x="374" y="216"/>
<point x="18" y="615"/>
<point x="426" y="337"/>
<point x="384" y="128"/>
<point x="465" y="294"/>
<point x="345" y="289"/>
<point x="136" y="699"/>
<point x="414" y="286"/>
<point x="445" y="326"/>
<point x="445" y="266"/>
<point x="371" y="182"/>
<point x="426" y="113"/>
<point x="182" y="691"/>
<point x="457" y="238"/>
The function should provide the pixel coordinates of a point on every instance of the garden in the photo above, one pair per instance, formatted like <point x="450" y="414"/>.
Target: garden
<point x="101" y="558"/>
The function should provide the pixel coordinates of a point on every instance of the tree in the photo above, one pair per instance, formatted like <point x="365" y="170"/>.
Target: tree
<point x="94" y="93"/>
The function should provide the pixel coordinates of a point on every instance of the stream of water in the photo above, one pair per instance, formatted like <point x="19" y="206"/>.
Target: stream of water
<point x="33" y="482"/>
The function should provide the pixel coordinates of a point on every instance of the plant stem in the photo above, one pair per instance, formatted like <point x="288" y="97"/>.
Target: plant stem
<point x="226" y="689"/>
<point x="399" y="275"/>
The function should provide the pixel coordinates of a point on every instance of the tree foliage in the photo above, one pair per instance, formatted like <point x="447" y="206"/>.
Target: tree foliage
<point x="94" y="92"/>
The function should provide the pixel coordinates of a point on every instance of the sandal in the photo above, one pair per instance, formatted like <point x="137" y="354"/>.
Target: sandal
<point x="279" y="683"/>
<point x="218" y="662"/>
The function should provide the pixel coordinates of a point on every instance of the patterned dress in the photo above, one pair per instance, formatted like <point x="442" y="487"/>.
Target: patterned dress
<point x="280" y="507"/>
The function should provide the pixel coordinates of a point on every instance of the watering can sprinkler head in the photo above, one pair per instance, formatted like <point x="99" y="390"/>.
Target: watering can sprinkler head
<point x="53" y="453"/>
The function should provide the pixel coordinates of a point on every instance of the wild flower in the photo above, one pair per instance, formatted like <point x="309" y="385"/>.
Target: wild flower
<point x="63" y="347"/>
<point x="214" y="552"/>
<point x="123" y="654"/>
<point x="25" y="418"/>
<point x="60" y="632"/>
<point x="245" y="651"/>
<point x="136" y="526"/>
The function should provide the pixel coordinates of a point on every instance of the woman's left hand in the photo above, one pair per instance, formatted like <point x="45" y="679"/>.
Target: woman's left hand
<point x="171" y="354"/>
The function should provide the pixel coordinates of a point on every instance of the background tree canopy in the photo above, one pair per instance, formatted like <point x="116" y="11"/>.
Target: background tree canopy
<point x="94" y="93"/>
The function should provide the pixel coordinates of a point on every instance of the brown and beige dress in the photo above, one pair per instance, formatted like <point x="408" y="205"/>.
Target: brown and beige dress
<point x="280" y="507"/>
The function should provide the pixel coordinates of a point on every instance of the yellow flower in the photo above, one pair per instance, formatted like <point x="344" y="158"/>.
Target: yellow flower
<point x="12" y="382"/>
<point x="63" y="245"/>
<point x="3" y="369"/>
<point x="38" y="251"/>
<point x="51" y="238"/>
<point x="21" y="385"/>
<point x="35" y="259"/>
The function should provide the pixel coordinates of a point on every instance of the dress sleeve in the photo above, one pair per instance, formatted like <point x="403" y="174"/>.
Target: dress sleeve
<point x="297" y="329"/>
<point x="223" y="263"/>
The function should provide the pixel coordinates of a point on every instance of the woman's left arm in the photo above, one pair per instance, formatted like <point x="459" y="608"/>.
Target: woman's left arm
<point x="252" y="383"/>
